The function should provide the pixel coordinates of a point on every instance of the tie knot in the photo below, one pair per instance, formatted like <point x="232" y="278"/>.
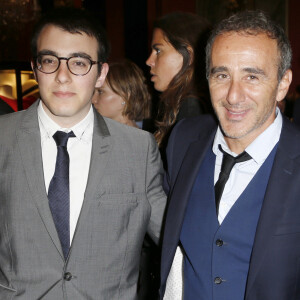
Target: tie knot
<point x="61" y="138"/>
<point x="229" y="161"/>
<point x="242" y="157"/>
<point x="227" y="164"/>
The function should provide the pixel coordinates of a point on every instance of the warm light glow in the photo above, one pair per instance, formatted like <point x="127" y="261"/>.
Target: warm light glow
<point x="8" y="83"/>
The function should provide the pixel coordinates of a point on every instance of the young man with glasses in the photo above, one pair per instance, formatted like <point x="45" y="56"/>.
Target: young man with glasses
<point x="78" y="191"/>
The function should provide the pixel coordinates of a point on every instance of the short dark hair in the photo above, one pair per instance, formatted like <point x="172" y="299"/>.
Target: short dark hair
<point x="73" y="20"/>
<point x="254" y="23"/>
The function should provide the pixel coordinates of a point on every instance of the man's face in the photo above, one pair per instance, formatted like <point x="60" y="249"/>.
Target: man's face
<point x="66" y="97"/>
<point x="243" y="85"/>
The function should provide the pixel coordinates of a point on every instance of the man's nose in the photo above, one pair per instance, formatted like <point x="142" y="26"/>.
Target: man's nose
<point x="235" y="92"/>
<point x="63" y="74"/>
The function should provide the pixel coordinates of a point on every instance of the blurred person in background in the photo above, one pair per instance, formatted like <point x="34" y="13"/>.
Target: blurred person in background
<point x="124" y="96"/>
<point x="177" y="68"/>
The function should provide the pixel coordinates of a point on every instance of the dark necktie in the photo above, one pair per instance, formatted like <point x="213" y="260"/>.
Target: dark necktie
<point x="59" y="193"/>
<point x="227" y="164"/>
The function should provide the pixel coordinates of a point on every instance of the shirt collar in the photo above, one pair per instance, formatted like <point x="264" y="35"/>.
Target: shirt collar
<point x="79" y="129"/>
<point x="261" y="147"/>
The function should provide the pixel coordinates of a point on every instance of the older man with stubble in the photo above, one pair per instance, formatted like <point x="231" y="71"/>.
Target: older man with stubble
<point x="232" y="226"/>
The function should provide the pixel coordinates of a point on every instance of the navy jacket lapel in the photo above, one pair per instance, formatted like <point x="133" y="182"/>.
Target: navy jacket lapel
<point x="276" y="199"/>
<point x="181" y="186"/>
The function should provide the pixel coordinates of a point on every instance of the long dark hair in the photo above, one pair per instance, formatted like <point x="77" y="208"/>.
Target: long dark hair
<point x="187" y="33"/>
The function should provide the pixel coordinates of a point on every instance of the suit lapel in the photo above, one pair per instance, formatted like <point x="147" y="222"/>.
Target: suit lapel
<point x="29" y="142"/>
<point x="101" y="149"/>
<point x="180" y="195"/>
<point x="275" y="201"/>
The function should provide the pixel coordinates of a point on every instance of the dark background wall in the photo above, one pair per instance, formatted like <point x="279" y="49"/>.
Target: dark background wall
<point x="294" y="35"/>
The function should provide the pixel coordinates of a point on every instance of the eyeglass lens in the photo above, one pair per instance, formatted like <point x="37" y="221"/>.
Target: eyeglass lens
<point x="76" y="65"/>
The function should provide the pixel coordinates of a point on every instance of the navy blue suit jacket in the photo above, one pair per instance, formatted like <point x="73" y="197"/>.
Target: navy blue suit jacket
<point x="274" y="272"/>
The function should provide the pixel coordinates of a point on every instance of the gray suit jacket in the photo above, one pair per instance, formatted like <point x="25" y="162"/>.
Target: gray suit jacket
<point x="123" y="200"/>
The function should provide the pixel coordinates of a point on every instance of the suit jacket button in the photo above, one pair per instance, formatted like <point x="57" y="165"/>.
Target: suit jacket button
<point x="218" y="280"/>
<point x="219" y="243"/>
<point x="67" y="276"/>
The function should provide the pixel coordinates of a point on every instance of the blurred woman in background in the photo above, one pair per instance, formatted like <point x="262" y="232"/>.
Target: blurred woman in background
<point x="124" y="97"/>
<point x="177" y="68"/>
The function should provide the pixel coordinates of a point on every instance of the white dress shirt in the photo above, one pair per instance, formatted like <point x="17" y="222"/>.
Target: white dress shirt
<point x="242" y="173"/>
<point x="79" y="149"/>
<point x="240" y="176"/>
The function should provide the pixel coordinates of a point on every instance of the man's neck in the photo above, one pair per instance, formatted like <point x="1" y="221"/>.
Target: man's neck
<point x="66" y="121"/>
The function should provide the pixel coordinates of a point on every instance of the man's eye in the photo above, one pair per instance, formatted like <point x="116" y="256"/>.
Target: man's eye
<point x="252" y="77"/>
<point x="221" y="76"/>
<point x="47" y="61"/>
<point x="79" y="63"/>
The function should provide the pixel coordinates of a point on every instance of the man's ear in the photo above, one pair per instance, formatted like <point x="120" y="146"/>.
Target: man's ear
<point x="34" y="71"/>
<point x="284" y="85"/>
<point x="102" y="76"/>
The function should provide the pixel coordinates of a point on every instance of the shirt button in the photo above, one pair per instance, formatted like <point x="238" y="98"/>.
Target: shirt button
<point x="218" y="280"/>
<point x="67" y="276"/>
<point x="219" y="243"/>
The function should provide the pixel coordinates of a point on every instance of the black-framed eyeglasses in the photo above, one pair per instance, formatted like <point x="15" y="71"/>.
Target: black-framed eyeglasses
<point x="77" y="65"/>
